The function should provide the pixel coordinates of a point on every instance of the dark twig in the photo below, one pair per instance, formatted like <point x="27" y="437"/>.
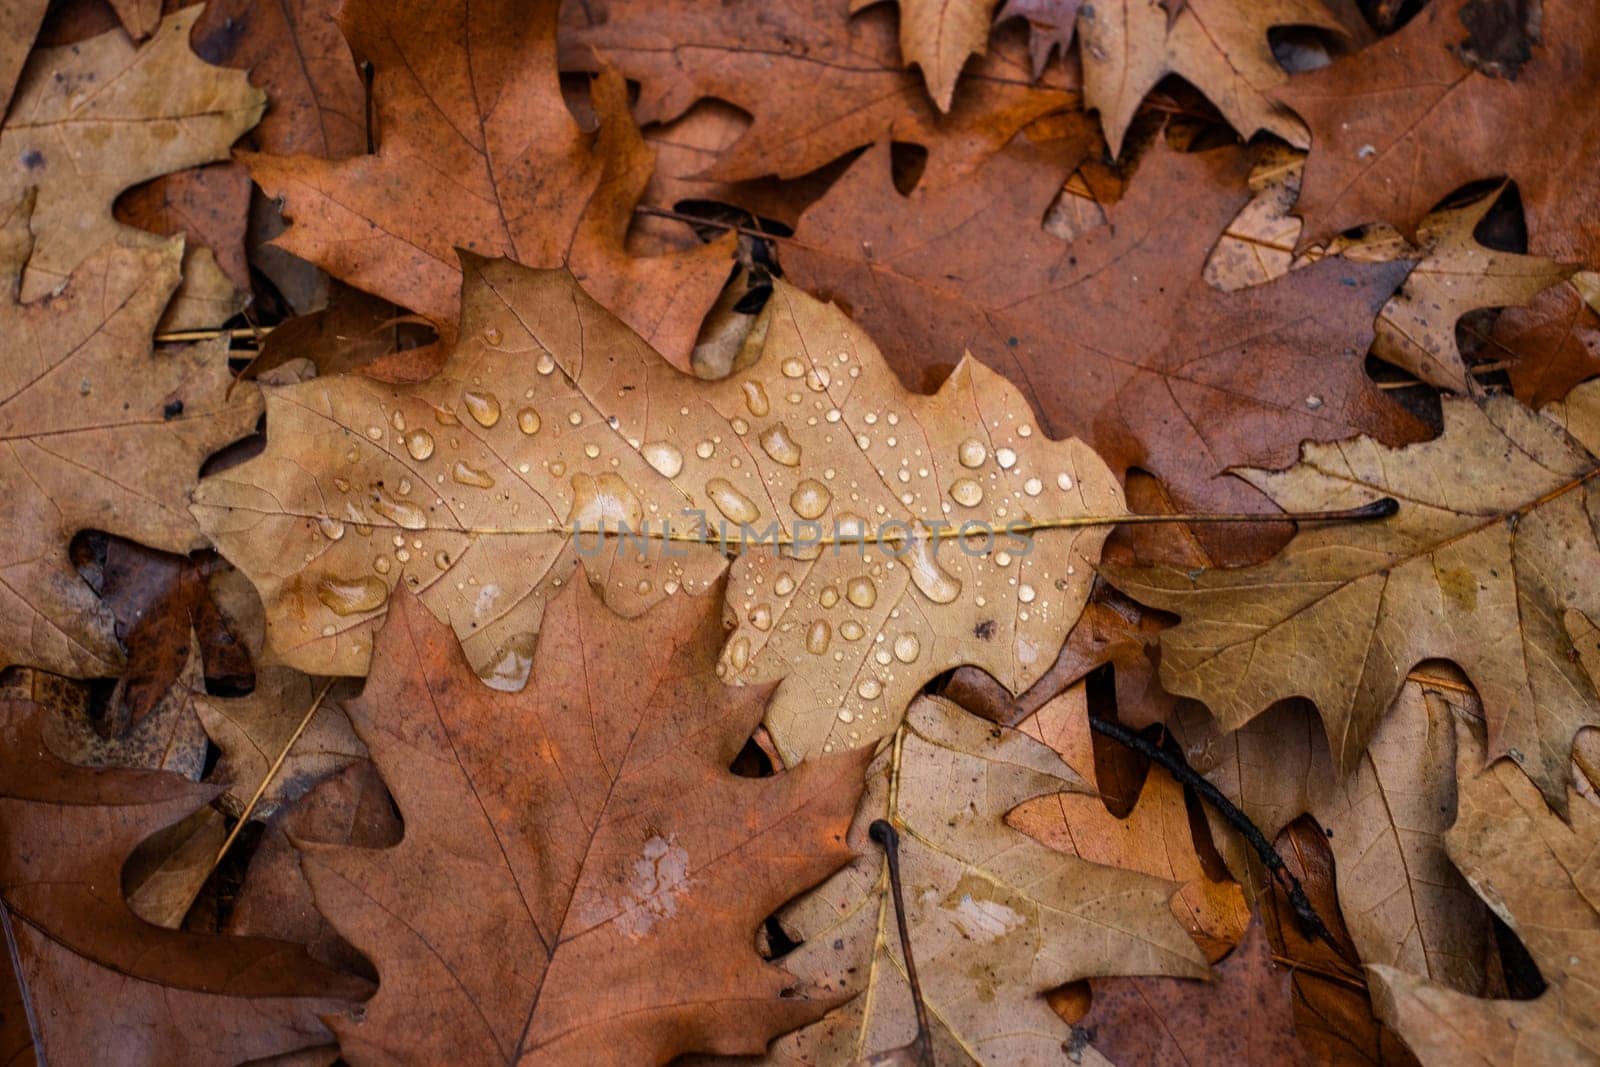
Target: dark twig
<point x="920" y="1050"/>
<point x="1310" y="922"/>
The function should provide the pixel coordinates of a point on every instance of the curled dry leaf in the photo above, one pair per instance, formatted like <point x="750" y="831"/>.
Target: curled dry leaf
<point x="1402" y="124"/>
<point x="1218" y="46"/>
<point x="92" y="119"/>
<point x="763" y="58"/>
<point x="1537" y="872"/>
<point x="552" y="416"/>
<point x="568" y="846"/>
<point x="1115" y="336"/>
<point x="179" y="998"/>
<point x="996" y="920"/>
<point x="1493" y="543"/>
<point x="526" y="182"/>
<point x="103" y="432"/>
<point x="1245" y="1017"/>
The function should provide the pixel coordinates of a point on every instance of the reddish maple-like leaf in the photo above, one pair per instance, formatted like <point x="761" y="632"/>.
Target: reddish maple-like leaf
<point x="477" y="150"/>
<point x="817" y="80"/>
<point x="1244" y="1017"/>
<point x="581" y="876"/>
<point x="94" y="977"/>
<point x="1397" y="127"/>
<point x="1115" y="336"/>
<point x="1554" y="344"/>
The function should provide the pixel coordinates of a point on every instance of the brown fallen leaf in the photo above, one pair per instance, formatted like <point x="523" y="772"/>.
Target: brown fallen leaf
<point x="103" y="432"/>
<point x="995" y="919"/>
<point x="19" y="24"/>
<point x="1400" y="125"/>
<point x="1115" y="336"/>
<point x="1454" y="274"/>
<point x="179" y="998"/>
<point x="534" y="903"/>
<point x="351" y="808"/>
<point x="93" y="119"/>
<point x="528" y="184"/>
<point x="1493" y="542"/>
<point x="1219" y="47"/>
<point x="939" y="36"/>
<point x="1155" y="838"/>
<point x="845" y="68"/>
<point x="207" y="206"/>
<point x="1051" y="25"/>
<point x="1537" y="872"/>
<point x="1554" y="343"/>
<point x="1246" y="1016"/>
<point x="1403" y="903"/>
<point x="295" y="52"/>
<point x="552" y="416"/>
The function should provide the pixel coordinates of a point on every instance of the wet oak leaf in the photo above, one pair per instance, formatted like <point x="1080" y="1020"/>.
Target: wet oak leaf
<point x="476" y="149"/>
<point x="844" y="69"/>
<point x="102" y="432"/>
<point x="1538" y="874"/>
<point x="552" y="416"/>
<point x="996" y="919"/>
<point x="1245" y="1016"/>
<point x="1115" y="336"/>
<point x="1398" y="126"/>
<point x="568" y="846"/>
<point x="93" y="119"/>
<point x="1493" y="543"/>
<point x="1218" y="46"/>
<point x="97" y="977"/>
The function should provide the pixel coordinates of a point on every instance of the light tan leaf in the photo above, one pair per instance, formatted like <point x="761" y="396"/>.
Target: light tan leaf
<point x="1219" y="46"/>
<point x="1538" y="874"/>
<point x="552" y="415"/>
<point x="1402" y="901"/>
<point x="92" y="119"/>
<point x="996" y="919"/>
<point x="939" y="36"/>
<point x="102" y="432"/>
<point x="1493" y="542"/>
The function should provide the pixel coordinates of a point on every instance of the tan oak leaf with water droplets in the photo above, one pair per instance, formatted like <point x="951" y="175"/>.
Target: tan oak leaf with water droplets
<point x="552" y="415"/>
<point x="995" y="918"/>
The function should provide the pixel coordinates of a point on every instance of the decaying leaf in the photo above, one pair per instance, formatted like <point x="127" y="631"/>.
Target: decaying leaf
<point x="102" y="432"/>
<point x="1218" y="46"/>
<point x="524" y="181"/>
<point x="92" y="119"/>
<point x="568" y="846"/>
<point x="1554" y="343"/>
<point x="1537" y="872"/>
<point x="1245" y="1017"/>
<point x="845" y="67"/>
<point x="552" y="416"/>
<point x="97" y="977"/>
<point x="1454" y="274"/>
<point x="995" y="919"/>
<point x="1493" y="543"/>
<point x="1115" y="336"/>
<point x="1400" y="125"/>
